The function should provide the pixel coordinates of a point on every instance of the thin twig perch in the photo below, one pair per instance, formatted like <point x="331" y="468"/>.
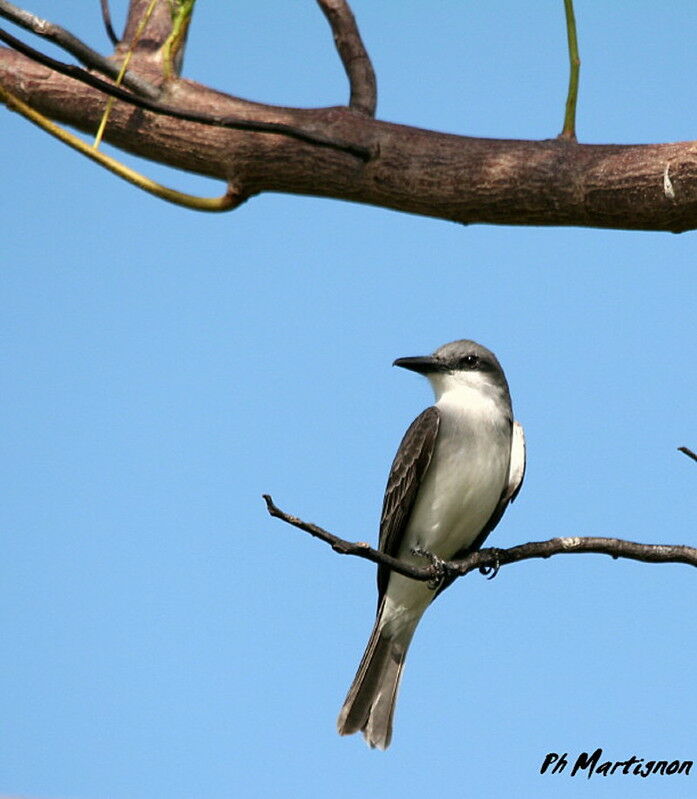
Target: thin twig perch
<point x="688" y="452"/>
<point x="494" y="557"/>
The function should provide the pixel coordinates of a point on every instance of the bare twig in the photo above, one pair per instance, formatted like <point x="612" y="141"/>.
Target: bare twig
<point x="492" y="557"/>
<point x="71" y="44"/>
<point x="688" y="452"/>
<point x="353" y="54"/>
<point x="281" y="128"/>
<point x="569" y="130"/>
<point x="360" y="549"/>
<point x="106" y="18"/>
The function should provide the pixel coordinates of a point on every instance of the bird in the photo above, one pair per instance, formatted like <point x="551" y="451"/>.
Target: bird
<point x="460" y="463"/>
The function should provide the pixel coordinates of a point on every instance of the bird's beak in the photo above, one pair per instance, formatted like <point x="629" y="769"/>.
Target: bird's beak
<point x="423" y="364"/>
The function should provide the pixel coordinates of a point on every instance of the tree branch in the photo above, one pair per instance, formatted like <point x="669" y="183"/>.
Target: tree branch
<point x="71" y="44"/>
<point x="231" y="199"/>
<point x="569" y="129"/>
<point x="354" y="57"/>
<point x="177" y="113"/>
<point x="157" y="30"/>
<point x="463" y="179"/>
<point x="688" y="452"/>
<point x="359" y="548"/>
<point x="492" y="557"/>
<point x="106" y="19"/>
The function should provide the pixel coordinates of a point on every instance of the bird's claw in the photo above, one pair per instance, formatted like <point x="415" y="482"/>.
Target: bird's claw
<point x="491" y="571"/>
<point x="437" y="564"/>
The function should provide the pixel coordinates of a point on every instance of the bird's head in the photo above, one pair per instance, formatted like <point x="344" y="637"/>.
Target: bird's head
<point x="460" y="368"/>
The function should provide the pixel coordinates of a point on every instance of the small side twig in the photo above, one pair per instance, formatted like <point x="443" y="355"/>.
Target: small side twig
<point x="357" y="65"/>
<point x="494" y="557"/>
<point x="71" y="44"/>
<point x="106" y="19"/>
<point x="569" y="129"/>
<point x="688" y="452"/>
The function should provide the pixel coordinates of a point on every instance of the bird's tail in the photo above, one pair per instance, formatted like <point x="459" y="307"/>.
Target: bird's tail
<point x="370" y="702"/>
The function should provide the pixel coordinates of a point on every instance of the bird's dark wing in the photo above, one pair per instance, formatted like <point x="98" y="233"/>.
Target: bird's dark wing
<point x="516" y="474"/>
<point x="408" y="468"/>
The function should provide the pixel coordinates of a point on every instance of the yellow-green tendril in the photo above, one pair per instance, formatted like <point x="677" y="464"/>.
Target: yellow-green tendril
<point x="181" y="11"/>
<point x="229" y="200"/>
<point x="122" y="71"/>
<point x="569" y="130"/>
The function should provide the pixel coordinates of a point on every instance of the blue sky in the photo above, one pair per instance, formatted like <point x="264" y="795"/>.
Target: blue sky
<point x="162" y="369"/>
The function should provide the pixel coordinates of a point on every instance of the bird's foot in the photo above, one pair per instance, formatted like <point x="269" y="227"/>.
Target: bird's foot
<point x="491" y="571"/>
<point x="438" y="565"/>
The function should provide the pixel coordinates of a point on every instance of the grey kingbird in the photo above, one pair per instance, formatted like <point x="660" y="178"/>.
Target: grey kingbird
<point x="459" y="465"/>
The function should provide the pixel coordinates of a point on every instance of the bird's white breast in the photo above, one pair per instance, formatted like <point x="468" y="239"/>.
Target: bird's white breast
<point x="465" y="478"/>
<point x="461" y="488"/>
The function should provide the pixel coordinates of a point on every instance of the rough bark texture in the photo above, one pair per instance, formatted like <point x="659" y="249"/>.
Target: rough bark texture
<point x="466" y="180"/>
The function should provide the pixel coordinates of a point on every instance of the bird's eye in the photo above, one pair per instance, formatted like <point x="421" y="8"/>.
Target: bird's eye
<point x="470" y="361"/>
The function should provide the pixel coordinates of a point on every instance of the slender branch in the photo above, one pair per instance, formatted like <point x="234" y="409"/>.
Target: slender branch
<point x="108" y="27"/>
<point x="569" y="130"/>
<point x="493" y="557"/>
<point x="354" y="56"/>
<point x="71" y="44"/>
<point x="77" y="73"/>
<point x="688" y="452"/>
<point x="359" y="548"/>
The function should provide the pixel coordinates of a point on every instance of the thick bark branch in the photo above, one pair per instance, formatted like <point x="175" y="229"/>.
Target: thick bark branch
<point x="492" y="558"/>
<point x="235" y="123"/>
<point x="466" y="180"/>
